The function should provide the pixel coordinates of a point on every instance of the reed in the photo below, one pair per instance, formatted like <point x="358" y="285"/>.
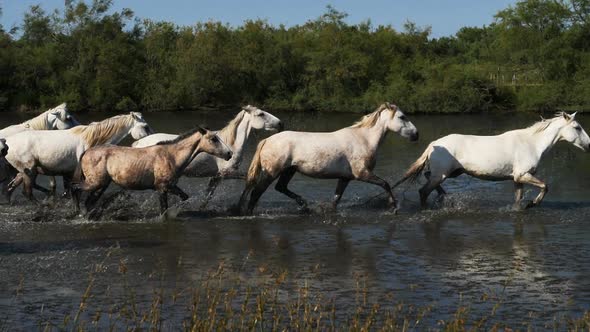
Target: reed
<point x="227" y="299"/>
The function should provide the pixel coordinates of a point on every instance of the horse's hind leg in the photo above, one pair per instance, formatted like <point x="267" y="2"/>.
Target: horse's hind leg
<point x="340" y="187"/>
<point x="439" y="189"/>
<point x="10" y="184"/>
<point x="258" y="189"/>
<point x="434" y="182"/>
<point x="94" y="196"/>
<point x="283" y="182"/>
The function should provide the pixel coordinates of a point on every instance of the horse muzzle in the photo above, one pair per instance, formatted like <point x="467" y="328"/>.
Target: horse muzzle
<point x="228" y="155"/>
<point x="414" y="137"/>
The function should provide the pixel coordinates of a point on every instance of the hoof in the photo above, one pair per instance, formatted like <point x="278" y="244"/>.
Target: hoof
<point x="530" y="205"/>
<point x="305" y="209"/>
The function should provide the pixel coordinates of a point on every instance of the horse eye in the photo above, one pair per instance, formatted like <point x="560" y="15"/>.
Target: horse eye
<point x="215" y="139"/>
<point x="403" y="118"/>
<point x="261" y="114"/>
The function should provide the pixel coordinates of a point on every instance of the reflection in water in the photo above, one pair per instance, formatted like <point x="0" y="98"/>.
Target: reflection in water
<point x="469" y="246"/>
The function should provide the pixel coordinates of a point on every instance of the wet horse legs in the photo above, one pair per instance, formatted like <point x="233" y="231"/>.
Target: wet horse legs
<point x="340" y="187"/>
<point x="281" y="186"/>
<point x="374" y="179"/>
<point x="528" y="178"/>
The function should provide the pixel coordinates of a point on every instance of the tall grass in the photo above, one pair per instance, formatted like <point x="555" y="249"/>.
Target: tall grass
<point x="228" y="299"/>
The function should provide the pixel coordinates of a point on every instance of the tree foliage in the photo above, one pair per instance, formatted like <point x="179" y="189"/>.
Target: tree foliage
<point x="536" y="55"/>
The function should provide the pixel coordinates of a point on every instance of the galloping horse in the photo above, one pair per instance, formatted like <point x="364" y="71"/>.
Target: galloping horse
<point x="513" y="155"/>
<point x="156" y="167"/>
<point x="57" y="118"/>
<point x="235" y="134"/>
<point x="58" y="152"/>
<point x="346" y="154"/>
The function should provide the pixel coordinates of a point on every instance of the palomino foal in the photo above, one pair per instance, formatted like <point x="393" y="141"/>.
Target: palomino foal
<point x="513" y="155"/>
<point x="236" y="135"/>
<point x="156" y="167"/>
<point x="346" y="154"/>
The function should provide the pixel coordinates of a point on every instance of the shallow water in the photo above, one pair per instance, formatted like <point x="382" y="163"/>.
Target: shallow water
<point x="470" y="246"/>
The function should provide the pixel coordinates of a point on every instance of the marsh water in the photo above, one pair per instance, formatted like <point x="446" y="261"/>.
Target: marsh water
<point x="462" y="251"/>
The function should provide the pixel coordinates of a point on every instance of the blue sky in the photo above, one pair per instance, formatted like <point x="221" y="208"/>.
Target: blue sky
<point x="444" y="16"/>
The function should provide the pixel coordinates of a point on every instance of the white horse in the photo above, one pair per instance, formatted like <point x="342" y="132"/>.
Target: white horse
<point x="57" y="118"/>
<point x="58" y="152"/>
<point x="513" y="155"/>
<point x="346" y="154"/>
<point x="3" y="163"/>
<point x="235" y="134"/>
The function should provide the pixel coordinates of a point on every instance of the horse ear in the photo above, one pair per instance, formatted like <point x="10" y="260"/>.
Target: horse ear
<point x="566" y="116"/>
<point x="573" y="115"/>
<point x="136" y="115"/>
<point x="247" y="108"/>
<point x="202" y="130"/>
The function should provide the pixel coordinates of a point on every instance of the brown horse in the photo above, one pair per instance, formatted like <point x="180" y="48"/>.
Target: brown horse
<point x="156" y="167"/>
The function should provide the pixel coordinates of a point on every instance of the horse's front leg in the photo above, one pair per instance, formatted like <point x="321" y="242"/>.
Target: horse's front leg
<point x="374" y="179"/>
<point x="175" y="190"/>
<point x="67" y="180"/>
<point x="52" y="186"/>
<point x="518" y="194"/>
<point x="213" y="183"/>
<point x="528" y="178"/>
<point x="29" y="178"/>
<point x="163" y="202"/>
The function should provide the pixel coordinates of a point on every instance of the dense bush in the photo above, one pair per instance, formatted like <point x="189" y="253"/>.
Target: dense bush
<point x="535" y="56"/>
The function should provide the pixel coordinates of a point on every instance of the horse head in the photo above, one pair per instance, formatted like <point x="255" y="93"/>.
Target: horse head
<point x="400" y="124"/>
<point x="572" y="132"/>
<point x="260" y="119"/>
<point x="60" y="118"/>
<point x="140" y="127"/>
<point x="212" y="144"/>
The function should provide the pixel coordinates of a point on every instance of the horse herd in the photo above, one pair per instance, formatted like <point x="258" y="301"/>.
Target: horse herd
<point x="88" y="159"/>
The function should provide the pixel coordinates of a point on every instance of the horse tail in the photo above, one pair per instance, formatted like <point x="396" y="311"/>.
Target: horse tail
<point x="416" y="168"/>
<point x="255" y="167"/>
<point x="79" y="173"/>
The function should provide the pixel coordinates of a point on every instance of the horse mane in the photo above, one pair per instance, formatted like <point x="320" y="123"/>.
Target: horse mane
<point x="100" y="132"/>
<point x="181" y="136"/>
<point x="370" y="119"/>
<point x="39" y="122"/>
<point x="540" y="126"/>
<point x="229" y="133"/>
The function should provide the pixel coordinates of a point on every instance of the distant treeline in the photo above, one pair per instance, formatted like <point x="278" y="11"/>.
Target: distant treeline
<point x="535" y="56"/>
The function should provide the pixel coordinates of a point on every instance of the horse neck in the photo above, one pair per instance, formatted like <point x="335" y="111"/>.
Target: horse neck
<point x="242" y="133"/>
<point x="184" y="151"/>
<point x="374" y="135"/>
<point x="546" y="139"/>
<point x="40" y="122"/>
<point x="120" y="134"/>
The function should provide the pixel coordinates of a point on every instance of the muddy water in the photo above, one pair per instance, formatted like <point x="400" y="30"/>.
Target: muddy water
<point x="469" y="248"/>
